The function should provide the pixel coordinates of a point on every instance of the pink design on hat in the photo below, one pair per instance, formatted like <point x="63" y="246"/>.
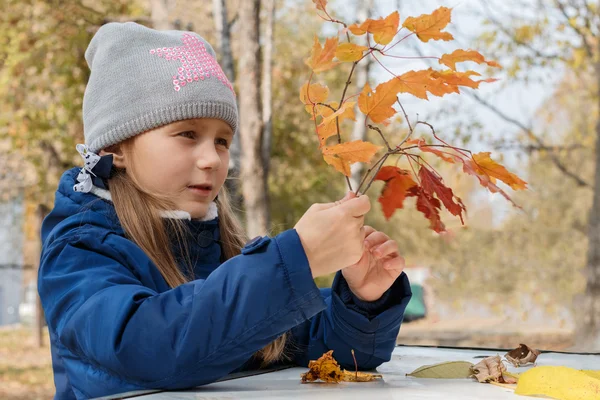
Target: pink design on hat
<point x="196" y="63"/>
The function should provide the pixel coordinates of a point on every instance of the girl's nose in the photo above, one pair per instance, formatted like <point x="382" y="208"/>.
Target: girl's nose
<point x="208" y="157"/>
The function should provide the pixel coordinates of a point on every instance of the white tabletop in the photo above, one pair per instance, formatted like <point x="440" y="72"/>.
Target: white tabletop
<point x="285" y="384"/>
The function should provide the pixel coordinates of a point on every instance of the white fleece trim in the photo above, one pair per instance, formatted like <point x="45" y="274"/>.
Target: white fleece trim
<point x="211" y="213"/>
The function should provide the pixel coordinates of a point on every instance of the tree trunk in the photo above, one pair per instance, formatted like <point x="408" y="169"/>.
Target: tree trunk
<point x="267" y="98"/>
<point x="225" y="55"/>
<point x="588" y="329"/>
<point x="251" y="125"/>
<point x="361" y="74"/>
<point x="160" y="14"/>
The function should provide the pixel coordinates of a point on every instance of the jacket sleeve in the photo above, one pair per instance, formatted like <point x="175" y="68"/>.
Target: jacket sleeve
<point x="186" y="336"/>
<point x="368" y="328"/>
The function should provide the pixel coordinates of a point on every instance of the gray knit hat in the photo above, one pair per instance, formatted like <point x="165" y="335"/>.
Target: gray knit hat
<point x="142" y="79"/>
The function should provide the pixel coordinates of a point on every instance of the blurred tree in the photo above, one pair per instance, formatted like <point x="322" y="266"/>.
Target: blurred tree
<point x="525" y="36"/>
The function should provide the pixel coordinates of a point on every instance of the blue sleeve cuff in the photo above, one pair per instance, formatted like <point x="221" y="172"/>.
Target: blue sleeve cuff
<point x="367" y="316"/>
<point x="298" y="273"/>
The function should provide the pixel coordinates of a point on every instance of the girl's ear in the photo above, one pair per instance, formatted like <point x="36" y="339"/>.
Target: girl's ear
<point x="117" y="153"/>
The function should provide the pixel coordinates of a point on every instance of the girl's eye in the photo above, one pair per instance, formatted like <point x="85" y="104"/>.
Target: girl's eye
<point x="188" y="134"/>
<point x="223" y="142"/>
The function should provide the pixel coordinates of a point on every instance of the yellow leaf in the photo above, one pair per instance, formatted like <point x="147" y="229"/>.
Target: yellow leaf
<point x="378" y="105"/>
<point x="486" y="166"/>
<point x="429" y="26"/>
<point x="383" y="29"/>
<point x="559" y="383"/>
<point x="355" y="151"/>
<point x="350" y="52"/>
<point x="459" y="55"/>
<point x="321" y="57"/>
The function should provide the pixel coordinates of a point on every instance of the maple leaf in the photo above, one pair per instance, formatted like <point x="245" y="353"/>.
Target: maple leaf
<point x="350" y="52"/>
<point x="428" y="26"/>
<point x="383" y="29"/>
<point x="471" y="168"/>
<point x="397" y="183"/>
<point x="321" y="4"/>
<point x="460" y="55"/>
<point x="313" y="94"/>
<point x="429" y="206"/>
<point x="328" y="126"/>
<point x="424" y="147"/>
<point x="321" y="57"/>
<point x="416" y="83"/>
<point x="485" y="165"/>
<point x="432" y="184"/>
<point x="378" y="105"/>
<point x="340" y="156"/>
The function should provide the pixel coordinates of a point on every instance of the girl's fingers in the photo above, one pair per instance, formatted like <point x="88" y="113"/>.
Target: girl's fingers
<point x="397" y="264"/>
<point x="385" y="249"/>
<point x="375" y="238"/>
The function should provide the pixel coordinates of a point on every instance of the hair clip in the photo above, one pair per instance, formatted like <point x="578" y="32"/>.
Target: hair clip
<point x="95" y="172"/>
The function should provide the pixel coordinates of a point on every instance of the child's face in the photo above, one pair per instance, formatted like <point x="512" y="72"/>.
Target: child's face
<point x="187" y="161"/>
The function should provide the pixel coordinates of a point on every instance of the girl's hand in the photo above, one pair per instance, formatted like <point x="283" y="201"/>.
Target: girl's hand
<point x="378" y="268"/>
<point x="333" y="235"/>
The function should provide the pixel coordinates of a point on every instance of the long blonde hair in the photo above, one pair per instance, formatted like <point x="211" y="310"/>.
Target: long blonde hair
<point x="139" y="213"/>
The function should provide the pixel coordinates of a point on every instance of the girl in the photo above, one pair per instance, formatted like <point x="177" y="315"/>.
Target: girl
<point x="144" y="276"/>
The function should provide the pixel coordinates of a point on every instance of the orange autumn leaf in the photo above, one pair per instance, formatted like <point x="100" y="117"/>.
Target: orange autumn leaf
<point x="321" y="58"/>
<point x="485" y="165"/>
<point x="350" y="52"/>
<point x="378" y="105"/>
<point x="383" y="29"/>
<point x="339" y="164"/>
<point x="313" y="94"/>
<point x="429" y="26"/>
<point x="355" y="151"/>
<point x="416" y="83"/>
<point x="471" y="168"/>
<point x="424" y="147"/>
<point x="432" y="184"/>
<point x="459" y="55"/>
<point x="321" y="4"/>
<point x="429" y="206"/>
<point x="328" y="126"/>
<point x="397" y="182"/>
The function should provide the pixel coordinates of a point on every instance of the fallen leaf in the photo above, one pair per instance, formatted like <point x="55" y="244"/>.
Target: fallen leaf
<point x="428" y="26"/>
<point x="559" y="383"/>
<point x="350" y="376"/>
<point x="488" y="369"/>
<point x="460" y="55"/>
<point x="446" y="370"/>
<point x="325" y="369"/>
<point x="321" y="58"/>
<point x="397" y="182"/>
<point x="522" y="355"/>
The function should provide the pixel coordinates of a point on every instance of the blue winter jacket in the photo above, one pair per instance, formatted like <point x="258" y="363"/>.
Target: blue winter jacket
<point x="116" y="326"/>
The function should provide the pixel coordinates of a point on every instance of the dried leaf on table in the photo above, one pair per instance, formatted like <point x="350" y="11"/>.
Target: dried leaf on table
<point x="325" y="369"/>
<point x="489" y="369"/>
<point x="522" y="355"/>
<point x="351" y="376"/>
<point x="328" y="370"/>
<point x="446" y="370"/>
